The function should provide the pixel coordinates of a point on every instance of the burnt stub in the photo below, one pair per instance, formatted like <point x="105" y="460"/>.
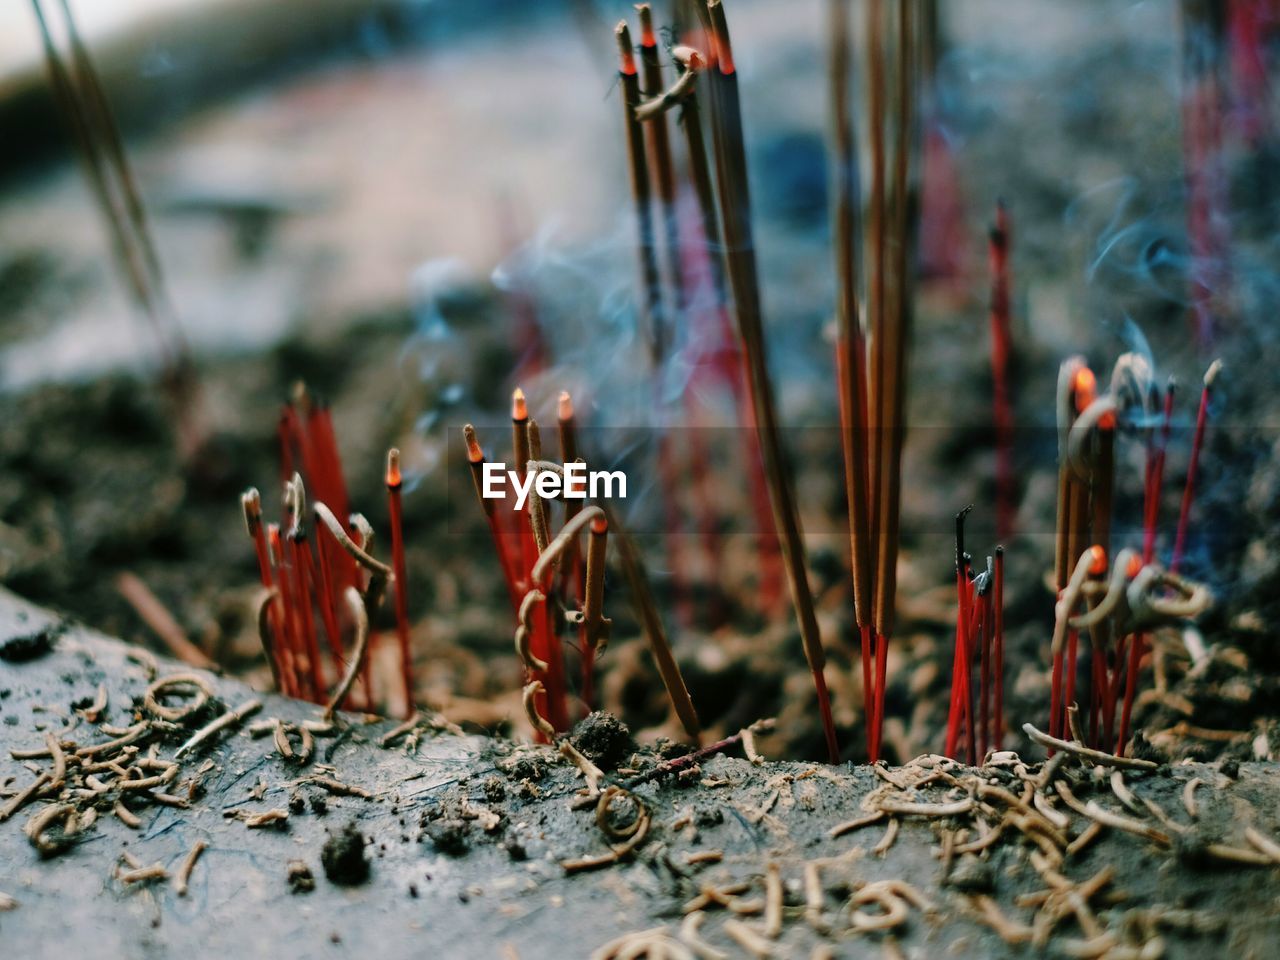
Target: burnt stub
<point x="603" y="739"/>
<point x="343" y="857"/>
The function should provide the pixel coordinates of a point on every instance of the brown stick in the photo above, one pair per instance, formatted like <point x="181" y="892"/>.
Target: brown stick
<point x="651" y="622"/>
<point x="162" y="623"/>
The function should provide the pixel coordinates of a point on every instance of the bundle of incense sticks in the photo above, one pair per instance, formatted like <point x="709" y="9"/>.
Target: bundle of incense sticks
<point x="309" y="448"/>
<point x="1088" y="423"/>
<point x="980" y="637"/>
<point x="296" y="585"/>
<point x="872" y="358"/>
<point x="700" y="320"/>
<point x="735" y="215"/>
<point x="551" y="702"/>
<point x="549" y="593"/>
<point x="317" y="568"/>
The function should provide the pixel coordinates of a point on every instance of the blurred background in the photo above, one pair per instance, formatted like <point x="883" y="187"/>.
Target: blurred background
<point x="414" y="205"/>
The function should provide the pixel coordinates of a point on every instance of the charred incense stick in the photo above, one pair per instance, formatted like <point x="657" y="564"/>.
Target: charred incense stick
<point x="653" y="320"/>
<point x="394" y="484"/>
<point x="735" y="210"/>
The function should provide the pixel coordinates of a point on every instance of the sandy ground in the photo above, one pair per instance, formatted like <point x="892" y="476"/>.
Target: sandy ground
<point x="466" y="841"/>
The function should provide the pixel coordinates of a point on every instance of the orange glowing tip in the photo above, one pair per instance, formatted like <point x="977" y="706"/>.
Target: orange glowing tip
<point x="273" y="537"/>
<point x="519" y="409"/>
<point x="564" y="409"/>
<point x="626" y="54"/>
<point x="599" y="525"/>
<point x="1135" y="566"/>
<point x="647" y="38"/>
<point x="394" y="478"/>
<point x="720" y="37"/>
<point x="474" y="453"/>
<point x="1084" y="388"/>
<point x="251" y="503"/>
<point x="1097" y="561"/>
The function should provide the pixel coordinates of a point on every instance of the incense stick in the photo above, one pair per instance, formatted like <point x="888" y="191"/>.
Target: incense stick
<point x="1197" y="442"/>
<point x="394" y="483"/>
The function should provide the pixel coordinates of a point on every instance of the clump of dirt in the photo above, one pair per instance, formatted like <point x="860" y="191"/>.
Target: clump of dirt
<point x="343" y="857"/>
<point x="28" y="646"/>
<point x="450" y="836"/>
<point x="603" y="739"/>
<point x="301" y="879"/>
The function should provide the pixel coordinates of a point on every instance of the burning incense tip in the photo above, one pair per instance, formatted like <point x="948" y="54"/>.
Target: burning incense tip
<point x="599" y="525"/>
<point x="251" y="502"/>
<point x="565" y="407"/>
<point x="720" y="37"/>
<point x="627" y="56"/>
<point x="1097" y="561"/>
<point x="474" y="453"/>
<point x="1135" y="566"/>
<point x="1211" y="374"/>
<point x="1085" y="388"/>
<point x="647" y="38"/>
<point x="394" y="478"/>
<point x="519" y="409"/>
